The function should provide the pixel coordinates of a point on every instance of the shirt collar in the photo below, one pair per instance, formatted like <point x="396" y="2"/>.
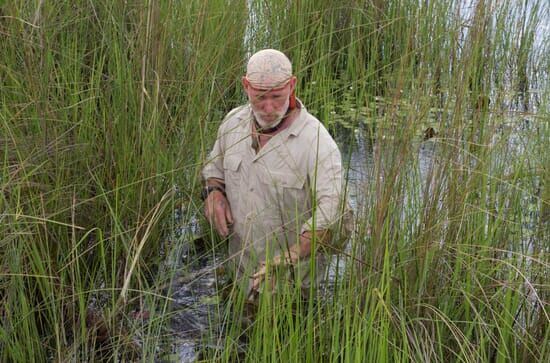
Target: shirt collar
<point x="294" y="129"/>
<point x="300" y="121"/>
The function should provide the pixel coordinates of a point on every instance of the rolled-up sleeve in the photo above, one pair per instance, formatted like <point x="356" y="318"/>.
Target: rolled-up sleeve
<point x="213" y="167"/>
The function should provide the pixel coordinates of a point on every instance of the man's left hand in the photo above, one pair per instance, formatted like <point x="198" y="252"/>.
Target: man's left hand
<point x="292" y="256"/>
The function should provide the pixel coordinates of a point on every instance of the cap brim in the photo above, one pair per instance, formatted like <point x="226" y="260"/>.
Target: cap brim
<point x="267" y="87"/>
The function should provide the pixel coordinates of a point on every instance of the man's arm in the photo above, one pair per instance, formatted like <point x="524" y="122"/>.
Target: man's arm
<point x="303" y="249"/>
<point x="326" y="177"/>
<point x="295" y="253"/>
<point x="216" y="207"/>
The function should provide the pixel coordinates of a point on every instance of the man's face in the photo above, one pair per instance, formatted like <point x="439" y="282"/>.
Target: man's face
<point x="270" y="105"/>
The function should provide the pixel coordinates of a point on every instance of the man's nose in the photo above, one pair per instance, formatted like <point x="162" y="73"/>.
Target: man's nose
<point x="268" y="106"/>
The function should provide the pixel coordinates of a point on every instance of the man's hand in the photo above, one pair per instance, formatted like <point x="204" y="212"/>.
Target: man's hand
<point x="218" y="212"/>
<point x="292" y="256"/>
<point x="257" y="278"/>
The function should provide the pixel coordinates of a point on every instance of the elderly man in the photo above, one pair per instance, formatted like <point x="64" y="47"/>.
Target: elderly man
<point x="274" y="178"/>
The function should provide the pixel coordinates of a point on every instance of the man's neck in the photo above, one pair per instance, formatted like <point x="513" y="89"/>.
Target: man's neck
<point x="269" y="130"/>
<point x="262" y="136"/>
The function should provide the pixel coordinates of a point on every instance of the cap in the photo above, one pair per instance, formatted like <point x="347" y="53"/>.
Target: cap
<point x="268" y="68"/>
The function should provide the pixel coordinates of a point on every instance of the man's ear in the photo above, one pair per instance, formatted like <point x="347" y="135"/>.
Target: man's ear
<point x="293" y="81"/>
<point x="292" y="103"/>
<point x="245" y="83"/>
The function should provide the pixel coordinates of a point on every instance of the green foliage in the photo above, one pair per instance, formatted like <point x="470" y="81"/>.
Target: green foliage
<point x="107" y="106"/>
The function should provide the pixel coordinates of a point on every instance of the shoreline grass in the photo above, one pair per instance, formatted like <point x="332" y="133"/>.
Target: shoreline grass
<point x="108" y="107"/>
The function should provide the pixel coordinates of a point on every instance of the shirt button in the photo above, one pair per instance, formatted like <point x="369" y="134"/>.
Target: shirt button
<point x="251" y="189"/>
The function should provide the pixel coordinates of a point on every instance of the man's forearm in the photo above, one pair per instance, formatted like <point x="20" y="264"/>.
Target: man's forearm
<point x="295" y="253"/>
<point x="302" y="249"/>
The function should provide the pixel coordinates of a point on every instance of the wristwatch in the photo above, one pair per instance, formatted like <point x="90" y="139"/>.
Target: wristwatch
<point x="209" y="189"/>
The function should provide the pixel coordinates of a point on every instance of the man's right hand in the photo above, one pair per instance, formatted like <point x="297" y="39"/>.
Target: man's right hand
<point x="218" y="212"/>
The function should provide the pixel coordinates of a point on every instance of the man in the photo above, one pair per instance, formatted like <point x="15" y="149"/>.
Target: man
<point x="274" y="178"/>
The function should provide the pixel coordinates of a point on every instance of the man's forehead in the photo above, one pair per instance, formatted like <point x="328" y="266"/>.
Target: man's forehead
<point x="268" y="89"/>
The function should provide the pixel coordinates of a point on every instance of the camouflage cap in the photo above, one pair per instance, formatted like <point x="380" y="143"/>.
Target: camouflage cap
<point x="268" y="68"/>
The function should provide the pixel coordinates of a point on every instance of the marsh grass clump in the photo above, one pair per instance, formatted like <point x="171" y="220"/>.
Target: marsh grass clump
<point x="100" y="105"/>
<point x="108" y="107"/>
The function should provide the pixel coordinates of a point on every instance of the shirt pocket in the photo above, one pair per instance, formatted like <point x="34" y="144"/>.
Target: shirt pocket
<point x="287" y="193"/>
<point x="232" y="175"/>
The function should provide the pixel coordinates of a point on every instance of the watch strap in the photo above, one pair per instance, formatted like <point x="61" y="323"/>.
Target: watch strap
<point x="209" y="189"/>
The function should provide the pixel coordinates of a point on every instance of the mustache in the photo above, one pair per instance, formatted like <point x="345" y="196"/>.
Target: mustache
<point x="271" y="114"/>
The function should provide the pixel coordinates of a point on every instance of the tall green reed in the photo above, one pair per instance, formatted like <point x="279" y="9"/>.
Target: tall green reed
<point x="450" y="266"/>
<point x="106" y="106"/>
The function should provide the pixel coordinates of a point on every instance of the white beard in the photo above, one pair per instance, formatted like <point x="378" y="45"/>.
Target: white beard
<point x="264" y="124"/>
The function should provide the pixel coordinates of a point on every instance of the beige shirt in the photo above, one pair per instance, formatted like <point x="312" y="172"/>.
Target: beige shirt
<point x="293" y="184"/>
